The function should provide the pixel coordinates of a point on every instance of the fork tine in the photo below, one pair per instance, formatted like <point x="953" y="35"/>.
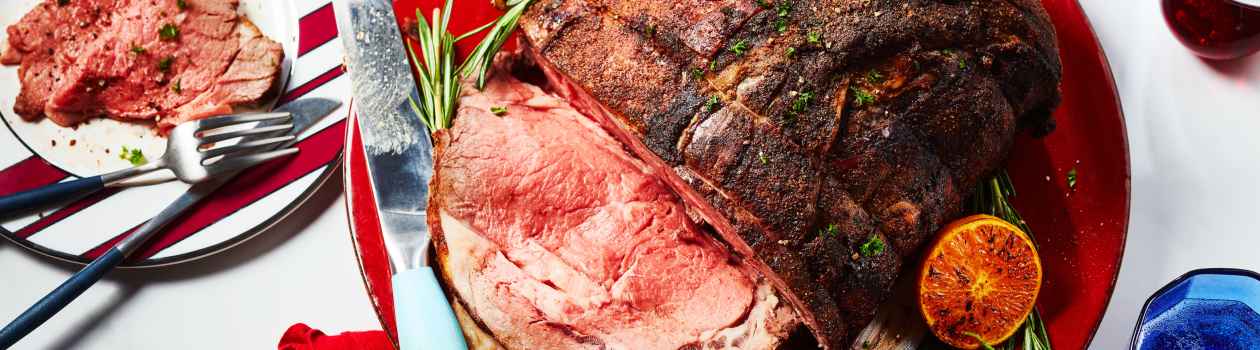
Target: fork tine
<point x="247" y="146"/>
<point x="241" y="162"/>
<point x="212" y="137"/>
<point x="233" y="119"/>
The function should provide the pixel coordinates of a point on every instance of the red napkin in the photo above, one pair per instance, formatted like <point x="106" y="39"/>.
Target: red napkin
<point x="301" y="337"/>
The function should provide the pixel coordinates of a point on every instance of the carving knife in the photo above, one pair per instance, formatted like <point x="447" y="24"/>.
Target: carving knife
<point x="400" y="163"/>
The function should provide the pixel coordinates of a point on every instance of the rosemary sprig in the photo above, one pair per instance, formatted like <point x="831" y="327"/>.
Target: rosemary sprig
<point x="992" y="198"/>
<point x="439" y="76"/>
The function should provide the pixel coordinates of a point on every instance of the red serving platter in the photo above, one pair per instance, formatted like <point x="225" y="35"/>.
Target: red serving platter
<point x="1080" y="232"/>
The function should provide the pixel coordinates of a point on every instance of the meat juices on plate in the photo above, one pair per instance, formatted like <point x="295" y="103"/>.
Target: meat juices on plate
<point x="139" y="60"/>
<point x="804" y="130"/>
<point x="553" y="236"/>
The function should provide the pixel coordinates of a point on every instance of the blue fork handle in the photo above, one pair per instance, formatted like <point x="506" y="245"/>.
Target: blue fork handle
<point x="423" y="316"/>
<point x="58" y="298"/>
<point x="42" y="197"/>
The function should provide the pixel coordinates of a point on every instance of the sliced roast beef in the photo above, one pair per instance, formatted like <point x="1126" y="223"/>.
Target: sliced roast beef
<point x="553" y="236"/>
<point x="164" y="61"/>
<point x="824" y="140"/>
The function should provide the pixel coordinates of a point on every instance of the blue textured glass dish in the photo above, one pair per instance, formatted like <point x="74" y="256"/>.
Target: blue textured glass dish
<point x="1203" y="309"/>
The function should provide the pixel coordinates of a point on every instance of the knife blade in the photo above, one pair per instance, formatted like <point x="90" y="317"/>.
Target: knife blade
<point x="400" y="163"/>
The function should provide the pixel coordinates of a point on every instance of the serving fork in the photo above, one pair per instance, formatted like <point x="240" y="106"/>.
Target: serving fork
<point x="194" y="152"/>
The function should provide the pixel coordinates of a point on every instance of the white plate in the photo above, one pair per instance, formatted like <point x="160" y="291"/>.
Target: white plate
<point x="36" y="153"/>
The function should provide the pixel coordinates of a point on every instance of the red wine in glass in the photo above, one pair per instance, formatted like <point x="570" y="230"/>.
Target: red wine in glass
<point x="1216" y="29"/>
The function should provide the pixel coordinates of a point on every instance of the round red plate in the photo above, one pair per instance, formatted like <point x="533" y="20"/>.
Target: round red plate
<point x="1081" y="232"/>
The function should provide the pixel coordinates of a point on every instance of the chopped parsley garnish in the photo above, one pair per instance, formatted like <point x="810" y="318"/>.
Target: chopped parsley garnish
<point x="712" y="104"/>
<point x="813" y="38"/>
<point x="740" y="47"/>
<point x="783" y="8"/>
<point x="497" y="110"/>
<point x="134" y="156"/>
<point x="764" y="4"/>
<point x="168" y="32"/>
<point x="873" y="246"/>
<point x="781" y="24"/>
<point x="874" y="76"/>
<point x="791" y="51"/>
<point x="830" y="231"/>
<point x="650" y="31"/>
<point x="762" y="157"/>
<point x="164" y="64"/>
<point x="181" y="4"/>
<point x="802" y="101"/>
<point x="63" y="2"/>
<point x="862" y="97"/>
<point x="137" y="49"/>
<point x="713" y="65"/>
<point x="1071" y="179"/>
<point x="962" y="63"/>
<point x="176" y="88"/>
<point x="697" y="73"/>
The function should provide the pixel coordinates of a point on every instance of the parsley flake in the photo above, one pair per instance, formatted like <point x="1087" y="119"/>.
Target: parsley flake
<point x="802" y="101"/>
<point x="762" y="157"/>
<point x="874" y="76"/>
<point x="763" y="4"/>
<point x="780" y="24"/>
<point x="1071" y="179"/>
<point x="697" y="73"/>
<point x="164" y="64"/>
<point x="832" y="230"/>
<point x="63" y="2"/>
<point x="813" y="38"/>
<point x="135" y="156"/>
<point x="181" y="4"/>
<point x="873" y="246"/>
<point x="784" y="8"/>
<point x="176" y="88"/>
<point x="862" y="97"/>
<point x="791" y="51"/>
<point x="739" y="48"/>
<point x="498" y="110"/>
<point x="168" y="32"/>
<point x="712" y="104"/>
<point x="137" y="49"/>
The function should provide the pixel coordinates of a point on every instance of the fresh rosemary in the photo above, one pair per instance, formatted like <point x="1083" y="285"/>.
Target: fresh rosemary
<point x="439" y="76"/>
<point x="992" y="198"/>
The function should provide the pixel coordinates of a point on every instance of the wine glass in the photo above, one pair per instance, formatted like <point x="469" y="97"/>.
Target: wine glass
<point x="1215" y="29"/>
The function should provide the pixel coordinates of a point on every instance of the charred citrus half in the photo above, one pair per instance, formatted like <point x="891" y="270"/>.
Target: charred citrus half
<point x="979" y="281"/>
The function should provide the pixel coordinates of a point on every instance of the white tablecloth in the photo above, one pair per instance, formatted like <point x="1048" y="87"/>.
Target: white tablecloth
<point x="1193" y="129"/>
<point x="1192" y="125"/>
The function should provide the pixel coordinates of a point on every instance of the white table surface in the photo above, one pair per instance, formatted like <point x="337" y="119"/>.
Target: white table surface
<point x="1194" y="136"/>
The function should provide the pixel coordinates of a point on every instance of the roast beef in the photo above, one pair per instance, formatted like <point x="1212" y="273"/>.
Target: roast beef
<point x="164" y="61"/>
<point x="823" y="140"/>
<point x="553" y="236"/>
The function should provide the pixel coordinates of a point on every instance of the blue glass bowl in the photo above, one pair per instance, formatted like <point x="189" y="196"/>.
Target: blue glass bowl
<point x="1203" y="309"/>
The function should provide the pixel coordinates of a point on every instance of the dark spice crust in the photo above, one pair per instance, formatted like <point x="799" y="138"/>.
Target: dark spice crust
<point x="913" y="102"/>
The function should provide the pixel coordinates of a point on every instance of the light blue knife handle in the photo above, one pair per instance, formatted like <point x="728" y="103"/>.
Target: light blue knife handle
<point x="424" y="317"/>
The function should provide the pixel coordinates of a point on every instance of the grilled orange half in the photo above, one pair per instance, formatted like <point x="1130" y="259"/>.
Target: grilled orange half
<point x="979" y="281"/>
